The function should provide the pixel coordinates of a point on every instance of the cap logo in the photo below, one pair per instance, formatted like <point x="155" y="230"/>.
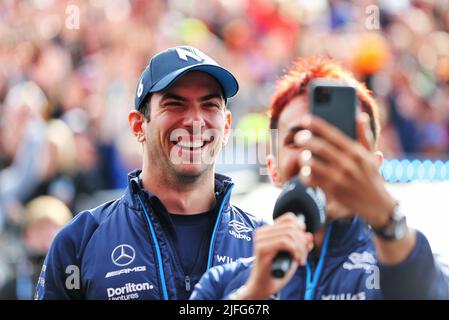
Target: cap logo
<point x="140" y="89"/>
<point x="183" y="54"/>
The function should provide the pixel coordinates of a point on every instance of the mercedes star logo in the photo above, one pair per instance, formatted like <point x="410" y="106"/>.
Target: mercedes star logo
<point x="123" y="255"/>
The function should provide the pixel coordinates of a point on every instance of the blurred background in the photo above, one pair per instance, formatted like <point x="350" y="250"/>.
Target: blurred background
<point x="68" y="73"/>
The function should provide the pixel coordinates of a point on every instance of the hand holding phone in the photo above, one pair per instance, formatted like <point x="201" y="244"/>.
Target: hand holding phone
<point x="335" y="102"/>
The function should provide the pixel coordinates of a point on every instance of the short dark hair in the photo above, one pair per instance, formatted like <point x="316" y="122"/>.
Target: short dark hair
<point x="145" y="107"/>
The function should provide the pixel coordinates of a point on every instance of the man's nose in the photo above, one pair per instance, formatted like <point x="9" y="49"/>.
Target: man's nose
<point x="194" y="118"/>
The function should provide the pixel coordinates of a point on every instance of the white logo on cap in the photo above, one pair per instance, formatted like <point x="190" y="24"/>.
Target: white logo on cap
<point x="140" y="89"/>
<point x="183" y="54"/>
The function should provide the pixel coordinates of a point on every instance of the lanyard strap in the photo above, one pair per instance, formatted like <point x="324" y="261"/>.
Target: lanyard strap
<point x="312" y="283"/>
<point x="157" y="249"/>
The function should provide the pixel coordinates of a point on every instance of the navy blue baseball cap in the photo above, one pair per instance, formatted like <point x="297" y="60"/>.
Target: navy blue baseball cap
<point x="167" y="66"/>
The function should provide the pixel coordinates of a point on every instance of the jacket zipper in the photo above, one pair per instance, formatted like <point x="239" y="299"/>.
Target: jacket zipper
<point x="187" y="279"/>
<point x="158" y="253"/>
<point x="187" y="283"/>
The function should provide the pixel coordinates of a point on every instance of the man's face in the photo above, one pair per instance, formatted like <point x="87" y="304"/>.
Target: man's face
<point x="188" y="126"/>
<point x="286" y="163"/>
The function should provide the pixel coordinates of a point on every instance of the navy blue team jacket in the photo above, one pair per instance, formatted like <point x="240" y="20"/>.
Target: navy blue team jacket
<point x="120" y="250"/>
<point x="347" y="269"/>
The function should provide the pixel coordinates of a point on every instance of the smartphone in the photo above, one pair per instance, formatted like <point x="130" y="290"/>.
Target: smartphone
<point x="335" y="102"/>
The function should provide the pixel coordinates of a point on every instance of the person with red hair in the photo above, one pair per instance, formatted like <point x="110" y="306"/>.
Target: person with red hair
<point x="365" y="249"/>
<point x="296" y="80"/>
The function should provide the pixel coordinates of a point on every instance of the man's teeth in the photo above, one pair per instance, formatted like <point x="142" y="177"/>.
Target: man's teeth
<point x="188" y="144"/>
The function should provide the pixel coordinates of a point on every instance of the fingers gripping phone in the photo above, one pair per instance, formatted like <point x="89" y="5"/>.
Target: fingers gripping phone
<point x="335" y="102"/>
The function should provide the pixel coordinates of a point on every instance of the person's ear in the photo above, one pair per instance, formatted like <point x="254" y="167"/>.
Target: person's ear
<point x="227" y="129"/>
<point x="379" y="158"/>
<point x="136" y="122"/>
<point x="273" y="170"/>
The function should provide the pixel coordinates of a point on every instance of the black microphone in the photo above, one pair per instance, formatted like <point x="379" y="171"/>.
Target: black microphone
<point x="303" y="201"/>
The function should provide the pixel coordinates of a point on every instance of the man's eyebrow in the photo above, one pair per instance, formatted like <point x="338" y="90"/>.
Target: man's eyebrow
<point x="211" y="96"/>
<point x="169" y="95"/>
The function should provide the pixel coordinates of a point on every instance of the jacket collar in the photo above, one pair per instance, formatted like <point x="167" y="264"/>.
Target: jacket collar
<point x="222" y="184"/>
<point x="347" y="235"/>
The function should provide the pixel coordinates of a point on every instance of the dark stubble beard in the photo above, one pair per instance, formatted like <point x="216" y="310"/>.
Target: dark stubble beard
<point x="191" y="178"/>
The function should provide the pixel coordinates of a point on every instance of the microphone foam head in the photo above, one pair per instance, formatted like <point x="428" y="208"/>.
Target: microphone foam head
<point x="310" y="202"/>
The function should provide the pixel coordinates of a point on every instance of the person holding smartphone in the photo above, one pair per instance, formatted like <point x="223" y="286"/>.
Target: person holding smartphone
<point x="365" y="250"/>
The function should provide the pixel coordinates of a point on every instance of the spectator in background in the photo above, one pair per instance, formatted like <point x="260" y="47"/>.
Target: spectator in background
<point x="23" y="140"/>
<point x="44" y="216"/>
<point x="75" y="168"/>
<point x="56" y="180"/>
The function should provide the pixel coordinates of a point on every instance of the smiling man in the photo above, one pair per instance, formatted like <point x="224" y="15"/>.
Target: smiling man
<point x="175" y="220"/>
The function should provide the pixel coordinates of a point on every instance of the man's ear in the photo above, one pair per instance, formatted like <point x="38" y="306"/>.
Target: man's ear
<point x="379" y="158"/>
<point x="227" y="130"/>
<point x="136" y="123"/>
<point x="273" y="170"/>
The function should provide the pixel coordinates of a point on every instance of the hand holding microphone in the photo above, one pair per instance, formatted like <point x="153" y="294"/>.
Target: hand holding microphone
<point x="308" y="205"/>
<point x="286" y="242"/>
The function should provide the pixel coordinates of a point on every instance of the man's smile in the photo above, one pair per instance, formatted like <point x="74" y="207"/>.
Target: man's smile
<point x="192" y="144"/>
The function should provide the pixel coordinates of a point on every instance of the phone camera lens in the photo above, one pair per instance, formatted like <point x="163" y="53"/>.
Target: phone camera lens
<point x="322" y="95"/>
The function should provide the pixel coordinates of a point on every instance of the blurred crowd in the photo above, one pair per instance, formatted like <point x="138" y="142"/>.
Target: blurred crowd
<point x="68" y="72"/>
